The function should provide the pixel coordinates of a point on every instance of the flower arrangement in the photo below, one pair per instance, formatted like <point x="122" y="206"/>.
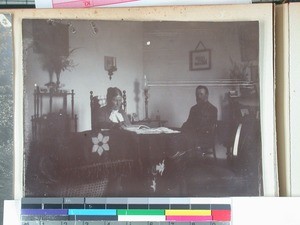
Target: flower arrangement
<point x="54" y="63"/>
<point x="238" y="71"/>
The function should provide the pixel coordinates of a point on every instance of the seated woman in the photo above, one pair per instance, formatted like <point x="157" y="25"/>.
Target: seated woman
<point x="112" y="115"/>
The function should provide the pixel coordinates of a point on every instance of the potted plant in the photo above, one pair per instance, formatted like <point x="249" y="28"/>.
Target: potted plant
<point x="239" y="71"/>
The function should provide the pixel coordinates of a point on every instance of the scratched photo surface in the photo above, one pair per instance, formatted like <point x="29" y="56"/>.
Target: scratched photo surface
<point x="112" y="108"/>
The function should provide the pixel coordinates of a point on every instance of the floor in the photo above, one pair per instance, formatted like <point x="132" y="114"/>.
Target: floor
<point x="190" y="175"/>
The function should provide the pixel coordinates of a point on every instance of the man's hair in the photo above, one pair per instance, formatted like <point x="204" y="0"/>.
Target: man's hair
<point x="202" y="87"/>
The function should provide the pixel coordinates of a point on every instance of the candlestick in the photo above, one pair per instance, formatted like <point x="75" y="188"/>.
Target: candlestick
<point x="146" y="93"/>
<point x="145" y="82"/>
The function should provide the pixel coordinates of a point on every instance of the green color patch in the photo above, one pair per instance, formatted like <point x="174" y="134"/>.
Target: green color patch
<point x="157" y="212"/>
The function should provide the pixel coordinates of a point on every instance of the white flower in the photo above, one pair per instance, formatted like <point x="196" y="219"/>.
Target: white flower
<point x="100" y="143"/>
<point x="161" y="167"/>
<point x="153" y="186"/>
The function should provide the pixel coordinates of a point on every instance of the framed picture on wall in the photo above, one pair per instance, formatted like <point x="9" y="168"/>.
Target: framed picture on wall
<point x="200" y="59"/>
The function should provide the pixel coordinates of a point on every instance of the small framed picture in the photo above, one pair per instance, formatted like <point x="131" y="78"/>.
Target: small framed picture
<point x="200" y="60"/>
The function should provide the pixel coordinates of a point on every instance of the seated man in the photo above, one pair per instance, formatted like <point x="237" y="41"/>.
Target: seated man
<point x="195" y="132"/>
<point x="202" y="117"/>
<point x="112" y="115"/>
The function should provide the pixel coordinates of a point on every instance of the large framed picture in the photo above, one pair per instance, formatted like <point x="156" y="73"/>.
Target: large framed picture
<point x="80" y="138"/>
<point x="200" y="60"/>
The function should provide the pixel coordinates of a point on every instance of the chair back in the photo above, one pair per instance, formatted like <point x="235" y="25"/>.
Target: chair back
<point x="236" y="141"/>
<point x="233" y="150"/>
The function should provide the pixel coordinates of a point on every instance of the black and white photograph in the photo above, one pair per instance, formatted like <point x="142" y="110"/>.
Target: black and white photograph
<point x="120" y="108"/>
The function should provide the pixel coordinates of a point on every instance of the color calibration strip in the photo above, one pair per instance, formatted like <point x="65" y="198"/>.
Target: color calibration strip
<point x="126" y="211"/>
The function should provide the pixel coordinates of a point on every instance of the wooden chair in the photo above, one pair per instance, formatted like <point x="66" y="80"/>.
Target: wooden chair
<point x="208" y="147"/>
<point x="96" y="103"/>
<point x="232" y="152"/>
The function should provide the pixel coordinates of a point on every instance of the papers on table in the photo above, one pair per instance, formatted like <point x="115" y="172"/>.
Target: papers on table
<point x="147" y="130"/>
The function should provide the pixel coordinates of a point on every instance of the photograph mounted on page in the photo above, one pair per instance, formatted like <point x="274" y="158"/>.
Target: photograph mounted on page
<point x="101" y="130"/>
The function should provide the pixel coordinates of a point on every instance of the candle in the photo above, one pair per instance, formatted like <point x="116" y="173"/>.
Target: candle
<point x="145" y="82"/>
<point x="114" y="62"/>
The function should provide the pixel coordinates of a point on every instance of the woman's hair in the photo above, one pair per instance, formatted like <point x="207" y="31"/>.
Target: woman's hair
<point x="111" y="93"/>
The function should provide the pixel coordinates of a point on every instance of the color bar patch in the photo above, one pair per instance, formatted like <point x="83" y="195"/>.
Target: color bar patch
<point x="188" y="212"/>
<point x="221" y="215"/>
<point x="141" y="218"/>
<point x="93" y="212"/>
<point x="188" y="218"/>
<point x="44" y="212"/>
<point x="146" y="212"/>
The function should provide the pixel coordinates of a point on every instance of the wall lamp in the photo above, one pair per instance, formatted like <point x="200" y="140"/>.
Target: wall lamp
<point x="110" y="65"/>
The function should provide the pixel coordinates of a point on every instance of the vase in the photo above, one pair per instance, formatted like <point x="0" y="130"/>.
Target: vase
<point x="50" y="77"/>
<point x="57" y="79"/>
<point x="50" y="83"/>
